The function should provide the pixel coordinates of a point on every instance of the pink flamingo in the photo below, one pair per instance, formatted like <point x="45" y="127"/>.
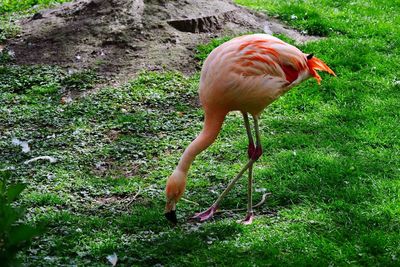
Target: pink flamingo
<point x="247" y="74"/>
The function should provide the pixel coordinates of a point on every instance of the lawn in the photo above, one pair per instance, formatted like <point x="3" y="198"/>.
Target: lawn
<point x="331" y="161"/>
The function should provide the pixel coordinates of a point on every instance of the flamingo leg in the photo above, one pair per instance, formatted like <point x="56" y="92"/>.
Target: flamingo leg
<point x="205" y="215"/>
<point x="252" y="150"/>
<point x="258" y="148"/>
<point x="250" y="214"/>
<point x="255" y="154"/>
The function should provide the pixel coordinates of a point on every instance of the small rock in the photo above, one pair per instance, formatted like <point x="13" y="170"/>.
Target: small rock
<point x="113" y="134"/>
<point x="66" y="100"/>
<point x="267" y="29"/>
<point x="37" y="15"/>
<point x="49" y="158"/>
<point x="113" y="259"/>
<point x="23" y="144"/>
<point x="11" y="53"/>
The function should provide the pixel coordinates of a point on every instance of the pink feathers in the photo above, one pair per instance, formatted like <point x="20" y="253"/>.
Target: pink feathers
<point x="247" y="74"/>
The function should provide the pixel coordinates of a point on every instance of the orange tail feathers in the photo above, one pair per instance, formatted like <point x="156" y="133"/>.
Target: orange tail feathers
<point x="316" y="64"/>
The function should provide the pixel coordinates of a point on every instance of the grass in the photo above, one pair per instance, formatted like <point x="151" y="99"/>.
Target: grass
<point x="332" y="157"/>
<point x="13" y="10"/>
<point x="8" y="6"/>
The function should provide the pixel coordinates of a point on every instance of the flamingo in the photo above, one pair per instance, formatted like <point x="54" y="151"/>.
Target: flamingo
<point x="245" y="74"/>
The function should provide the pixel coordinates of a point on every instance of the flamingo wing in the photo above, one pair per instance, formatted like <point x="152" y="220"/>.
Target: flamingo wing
<point x="269" y="56"/>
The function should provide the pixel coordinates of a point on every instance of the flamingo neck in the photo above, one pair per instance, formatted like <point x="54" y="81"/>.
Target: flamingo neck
<point x="212" y="126"/>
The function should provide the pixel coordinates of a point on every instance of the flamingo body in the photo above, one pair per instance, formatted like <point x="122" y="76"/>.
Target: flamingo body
<point x="249" y="72"/>
<point x="246" y="74"/>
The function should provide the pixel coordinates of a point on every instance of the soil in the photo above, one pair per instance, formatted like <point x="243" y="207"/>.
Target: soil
<point x="118" y="38"/>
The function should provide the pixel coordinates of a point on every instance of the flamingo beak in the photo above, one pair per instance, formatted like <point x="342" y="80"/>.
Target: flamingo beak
<point x="170" y="211"/>
<point x="171" y="216"/>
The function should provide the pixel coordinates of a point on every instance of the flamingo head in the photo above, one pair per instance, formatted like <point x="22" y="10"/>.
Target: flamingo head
<point x="174" y="190"/>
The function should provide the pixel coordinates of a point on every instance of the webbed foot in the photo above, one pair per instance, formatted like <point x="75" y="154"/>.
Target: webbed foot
<point x="248" y="219"/>
<point x="205" y="215"/>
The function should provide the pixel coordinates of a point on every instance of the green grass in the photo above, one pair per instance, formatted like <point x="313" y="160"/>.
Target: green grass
<point x="332" y="157"/>
<point x="8" y="6"/>
<point x="12" y="10"/>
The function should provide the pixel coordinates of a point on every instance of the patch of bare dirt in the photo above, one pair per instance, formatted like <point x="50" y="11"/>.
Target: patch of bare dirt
<point x="109" y="167"/>
<point x="118" y="38"/>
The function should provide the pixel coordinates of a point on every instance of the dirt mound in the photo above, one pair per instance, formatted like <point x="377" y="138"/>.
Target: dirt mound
<point x="121" y="37"/>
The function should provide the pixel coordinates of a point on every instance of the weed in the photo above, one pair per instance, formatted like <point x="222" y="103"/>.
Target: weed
<point x="80" y="81"/>
<point x="14" y="235"/>
<point x="8" y="6"/>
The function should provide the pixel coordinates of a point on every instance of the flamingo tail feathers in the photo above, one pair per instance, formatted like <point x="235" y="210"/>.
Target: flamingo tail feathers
<point x="315" y="64"/>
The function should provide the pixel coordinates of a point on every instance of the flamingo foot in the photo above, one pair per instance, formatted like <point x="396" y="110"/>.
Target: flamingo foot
<point x="248" y="219"/>
<point x="205" y="215"/>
